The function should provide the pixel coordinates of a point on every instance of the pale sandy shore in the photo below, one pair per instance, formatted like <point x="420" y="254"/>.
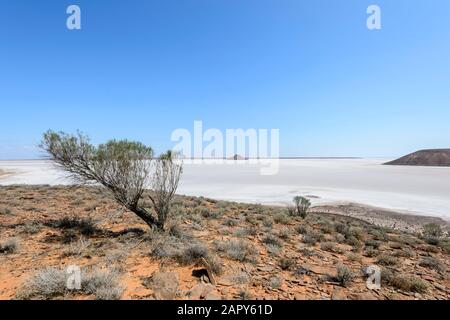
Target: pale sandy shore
<point x="382" y="217"/>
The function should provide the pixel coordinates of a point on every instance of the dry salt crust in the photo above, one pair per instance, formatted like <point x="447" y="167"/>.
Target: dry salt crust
<point x="415" y="190"/>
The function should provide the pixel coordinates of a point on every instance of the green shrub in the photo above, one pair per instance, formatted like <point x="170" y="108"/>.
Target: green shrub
<point x="387" y="260"/>
<point x="286" y="263"/>
<point x="85" y="226"/>
<point x="373" y="243"/>
<point x="6" y="211"/>
<point x="30" y="227"/>
<point x="302" y="229"/>
<point x="284" y="234"/>
<point x="330" y="247"/>
<point x="9" y="246"/>
<point x="344" y="276"/>
<point x="302" y="206"/>
<point x="268" y="222"/>
<point x="231" y="222"/>
<point x="273" y="250"/>
<point x="270" y="239"/>
<point x="371" y="252"/>
<point x="281" y="218"/>
<point x="403" y="282"/>
<point x="52" y="283"/>
<point x="432" y="263"/>
<point x="312" y="237"/>
<point x="432" y="230"/>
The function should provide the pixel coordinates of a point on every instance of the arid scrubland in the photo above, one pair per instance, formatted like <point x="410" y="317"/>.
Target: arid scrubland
<point x="208" y="250"/>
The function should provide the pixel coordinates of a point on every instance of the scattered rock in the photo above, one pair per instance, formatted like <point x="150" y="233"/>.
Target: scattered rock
<point x="299" y="297"/>
<point x="364" y="296"/>
<point x="200" y="291"/>
<point x="339" y="294"/>
<point x="165" y="285"/>
<point x="440" y="287"/>
<point x="319" y="270"/>
<point x="266" y="268"/>
<point x="225" y="282"/>
<point x="213" y="296"/>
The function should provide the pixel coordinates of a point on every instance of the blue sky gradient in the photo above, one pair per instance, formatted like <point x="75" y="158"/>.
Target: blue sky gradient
<point x="141" y="69"/>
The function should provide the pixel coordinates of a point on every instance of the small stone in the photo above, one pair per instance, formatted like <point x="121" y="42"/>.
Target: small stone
<point x="440" y="287"/>
<point x="299" y="297"/>
<point x="266" y="269"/>
<point x="200" y="291"/>
<point x="212" y="296"/>
<point x="338" y="294"/>
<point x="362" y="296"/>
<point x="225" y="283"/>
<point x="165" y="285"/>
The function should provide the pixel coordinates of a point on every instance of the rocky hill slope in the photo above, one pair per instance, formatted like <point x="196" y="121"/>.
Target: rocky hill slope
<point x="432" y="157"/>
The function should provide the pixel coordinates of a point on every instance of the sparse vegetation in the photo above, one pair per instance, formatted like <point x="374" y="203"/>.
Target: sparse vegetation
<point x="312" y="237"/>
<point x="371" y="252"/>
<point x="246" y="232"/>
<point x="5" y="211"/>
<point x="195" y="253"/>
<point x="284" y="234"/>
<point x="432" y="263"/>
<point x="240" y="278"/>
<point x="271" y="239"/>
<point x="52" y="282"/>
<point x="85" y="226"/>
<point x="432" y="233"/>
<point x="404" y="282"/>
<point x="354" y="257"/>
<point x="387" y="260"/>
<point x="432" y="230"/>
<point x="330" y="247"/>
<point x="244" y="295"/>
<point x="275" y="282"/>
<point x="231" y="222"/>
<point x="268" y="222"/>
<point x="251" y="253"/>
<point x="302" y="205"/>
<point x="273" y="250"/>
<point x="344" y="276"/>
<point x="78" y="249"/>
<point x="286" y="263"/>
<point x="30" y="227"/>
<point x="239" y="250"/>
<point x="9" y="246"/>
<point x="281" y="218"/>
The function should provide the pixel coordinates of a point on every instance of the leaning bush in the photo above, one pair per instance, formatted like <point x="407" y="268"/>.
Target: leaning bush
<point x="124" y="169"/>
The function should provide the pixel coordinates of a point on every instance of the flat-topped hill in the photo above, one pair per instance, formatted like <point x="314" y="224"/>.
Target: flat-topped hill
<point x="432" y="157"/>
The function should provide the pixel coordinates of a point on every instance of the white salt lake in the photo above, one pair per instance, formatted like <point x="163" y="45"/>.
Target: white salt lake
<point x="419" y="190"/>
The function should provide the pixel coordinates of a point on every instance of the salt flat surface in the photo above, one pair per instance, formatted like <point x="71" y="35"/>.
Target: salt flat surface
<point x="422" y="190"/>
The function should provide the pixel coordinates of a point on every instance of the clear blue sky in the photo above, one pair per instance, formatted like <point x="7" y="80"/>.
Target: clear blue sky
<point x="140" y="69"/>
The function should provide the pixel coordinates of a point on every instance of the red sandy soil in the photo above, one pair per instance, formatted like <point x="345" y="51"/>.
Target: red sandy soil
<point x="285" y="258"/>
